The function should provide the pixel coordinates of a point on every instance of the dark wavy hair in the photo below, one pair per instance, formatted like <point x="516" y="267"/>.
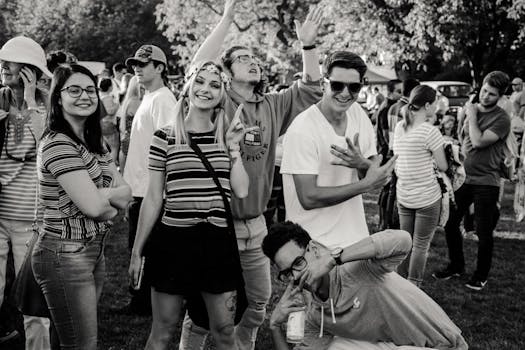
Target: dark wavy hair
<point x="56" y="123"/>
<point x="227" y="61"/>
<point x="282" y="233"/>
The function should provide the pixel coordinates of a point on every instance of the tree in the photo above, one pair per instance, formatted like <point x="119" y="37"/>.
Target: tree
<point x="100" y="30"/>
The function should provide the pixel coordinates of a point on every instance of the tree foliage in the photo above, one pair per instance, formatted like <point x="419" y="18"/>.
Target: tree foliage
<point x="100" y="30"/>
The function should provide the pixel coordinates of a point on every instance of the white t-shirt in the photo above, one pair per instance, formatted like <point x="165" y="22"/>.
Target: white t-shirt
<point x="306" y="151"/>
<point x="155" y="111"/>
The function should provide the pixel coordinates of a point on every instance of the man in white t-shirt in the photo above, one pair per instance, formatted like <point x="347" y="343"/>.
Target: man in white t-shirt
<point x="329" y="158"/>
<point x="154" y="112"/>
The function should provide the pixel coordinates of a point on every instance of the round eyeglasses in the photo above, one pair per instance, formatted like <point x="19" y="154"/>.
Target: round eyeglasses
<point x="76" y="91"/>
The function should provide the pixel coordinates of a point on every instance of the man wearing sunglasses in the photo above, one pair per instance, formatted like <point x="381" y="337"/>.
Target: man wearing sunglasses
<point x="273" y="113"/>
<point x="329" y="158"/>
<point x="354" y="298"/>
<point x="155" y="111"/>
<point x="22" y="111"/>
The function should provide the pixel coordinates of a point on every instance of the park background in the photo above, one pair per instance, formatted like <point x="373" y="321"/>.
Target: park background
<point x="429" y="40"/>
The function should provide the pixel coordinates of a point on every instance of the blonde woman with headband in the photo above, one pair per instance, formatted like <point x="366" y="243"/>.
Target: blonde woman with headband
<point x="419" y="147"/>
<point x="192" y="249"/>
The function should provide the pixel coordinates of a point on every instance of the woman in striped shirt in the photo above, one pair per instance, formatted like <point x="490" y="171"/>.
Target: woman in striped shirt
<point x="419" y="147"/>
<point x="192" y="249"/>
<point x="79" y="190"/>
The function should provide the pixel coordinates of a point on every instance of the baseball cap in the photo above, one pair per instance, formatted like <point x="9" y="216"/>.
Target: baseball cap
<point x="146" y="54"/>
<point x="22" y="49"/>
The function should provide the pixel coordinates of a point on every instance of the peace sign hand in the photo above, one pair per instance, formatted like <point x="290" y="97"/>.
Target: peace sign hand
<point x="350" y="157"/>
<point x="237" y="129"/>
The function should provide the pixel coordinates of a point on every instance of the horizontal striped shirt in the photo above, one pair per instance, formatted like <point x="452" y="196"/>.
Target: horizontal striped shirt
<point x="18" y="170"/>
<point x="58" y="154"/>
<point x="417" y="185"/>
<point x="191" y="194"/>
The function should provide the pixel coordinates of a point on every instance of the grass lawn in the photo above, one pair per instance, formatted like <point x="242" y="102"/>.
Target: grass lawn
<point x="491" y="319"/>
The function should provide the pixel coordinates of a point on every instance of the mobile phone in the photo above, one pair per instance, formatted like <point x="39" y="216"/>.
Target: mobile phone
<point x="141" y="273"/>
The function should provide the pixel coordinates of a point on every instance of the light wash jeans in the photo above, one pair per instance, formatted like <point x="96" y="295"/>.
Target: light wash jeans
<point x="421" y="224"/>
<point x="19" y="233"/>
<point x="256" y="272"/>
<point x="71" y="275"/>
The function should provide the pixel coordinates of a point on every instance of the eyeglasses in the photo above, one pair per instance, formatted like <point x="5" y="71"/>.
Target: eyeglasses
<point x="245" y="59"/>
<point x="339" y="86"/>
<point x="299" y="264"/>
<point x="76" y="91"/>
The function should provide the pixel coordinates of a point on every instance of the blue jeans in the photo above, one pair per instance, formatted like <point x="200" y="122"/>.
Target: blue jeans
<point x="421" y="224"/>
<point x="257" y="279"/>
<point x="71" y="275"/>
<point x="485" y="199"/>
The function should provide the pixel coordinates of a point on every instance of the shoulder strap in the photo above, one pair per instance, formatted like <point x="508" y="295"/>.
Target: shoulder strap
<point x="207" y="165"/>
<point x="5" y="104"/>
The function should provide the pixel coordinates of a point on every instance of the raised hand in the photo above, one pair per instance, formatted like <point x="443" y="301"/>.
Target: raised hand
<point x="229" y="9"/>
<point x="350" y="157"/>
<point x="237" y="129"/>
<point x="378" y="176"/>
<point x="307" y="32"/>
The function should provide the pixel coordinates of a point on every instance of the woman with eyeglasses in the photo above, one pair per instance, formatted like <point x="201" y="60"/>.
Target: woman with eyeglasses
<point x="193" y="249"/>
<point x="419" y="147"/>
<point x="80" y="191"/>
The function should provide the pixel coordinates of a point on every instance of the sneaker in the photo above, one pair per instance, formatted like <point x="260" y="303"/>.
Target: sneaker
<point x="5" y="337"/>
<point x="446" y="274"/>
<point x="475" y="284"/>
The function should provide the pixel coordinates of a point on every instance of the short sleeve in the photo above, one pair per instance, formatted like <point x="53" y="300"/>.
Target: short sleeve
<point x="367" y="139"/>
<point x="501" y="125"/>
<point x="163" y="108"/>
<point x="300" y="154"/>
<point x="158" y="151"/>
<point x="61" y="155"/>
<point x="434" y="139"/>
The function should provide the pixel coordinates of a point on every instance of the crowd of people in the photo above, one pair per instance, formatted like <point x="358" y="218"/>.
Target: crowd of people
<point x="196" y="174"/>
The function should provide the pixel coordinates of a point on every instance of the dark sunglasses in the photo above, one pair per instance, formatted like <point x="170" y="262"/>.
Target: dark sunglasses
<point x="299" y="264"/>
<point x="140" y="64"/>
<point x="76" y="91"/>
<point x="339" y="86"/>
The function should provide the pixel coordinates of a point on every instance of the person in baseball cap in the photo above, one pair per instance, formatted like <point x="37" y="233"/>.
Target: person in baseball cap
<point x="146" y="54"/>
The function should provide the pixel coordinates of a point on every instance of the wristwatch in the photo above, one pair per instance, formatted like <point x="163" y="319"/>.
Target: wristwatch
<point x="336" y="255"/>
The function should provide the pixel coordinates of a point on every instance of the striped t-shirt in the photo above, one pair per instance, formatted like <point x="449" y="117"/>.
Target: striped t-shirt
<point x="417" y="186"/>
<point x="58" y="154"/>
<point x="191" y="194"/>
<point x="18" y="173"/>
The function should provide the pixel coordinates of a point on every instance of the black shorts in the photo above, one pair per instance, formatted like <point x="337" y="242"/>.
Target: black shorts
<point x="183" y="260"/>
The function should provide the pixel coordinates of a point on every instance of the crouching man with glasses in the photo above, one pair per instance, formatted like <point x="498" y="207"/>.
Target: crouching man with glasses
<point x="354" y="298"/>
<point x="330" y="158"/>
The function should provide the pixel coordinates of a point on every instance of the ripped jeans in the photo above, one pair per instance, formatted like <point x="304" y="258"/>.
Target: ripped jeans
<point x="71" y="275"/>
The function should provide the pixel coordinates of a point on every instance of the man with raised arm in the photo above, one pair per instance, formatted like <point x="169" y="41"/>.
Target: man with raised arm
<point x="272" y="113"/>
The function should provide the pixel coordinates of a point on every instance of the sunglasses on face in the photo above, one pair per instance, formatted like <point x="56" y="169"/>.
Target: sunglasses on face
<point x="245" y="59"/>
<point x="140" y="64"/>
<point x="339" y="86"/>
<point x="76" y="91"/>
<point x="299" y="264"/>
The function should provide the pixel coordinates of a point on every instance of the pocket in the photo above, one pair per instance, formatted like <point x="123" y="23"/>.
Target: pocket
<point x="68" y="248"/>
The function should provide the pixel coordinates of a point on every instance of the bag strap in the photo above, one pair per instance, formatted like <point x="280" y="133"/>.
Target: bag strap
<point x="211" y="171"/>
<point x="5" y="104"/>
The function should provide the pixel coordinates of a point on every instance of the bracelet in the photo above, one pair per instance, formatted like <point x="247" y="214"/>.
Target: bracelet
<point x="309" y="47"/>
<point x="235" y="154"/>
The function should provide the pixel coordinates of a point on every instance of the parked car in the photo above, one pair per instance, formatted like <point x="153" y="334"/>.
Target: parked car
<point x="457" y="93"/>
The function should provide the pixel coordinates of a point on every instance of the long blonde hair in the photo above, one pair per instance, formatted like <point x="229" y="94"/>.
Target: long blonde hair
<point x="178" y="130"/>
<point x="133" y="92"/>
